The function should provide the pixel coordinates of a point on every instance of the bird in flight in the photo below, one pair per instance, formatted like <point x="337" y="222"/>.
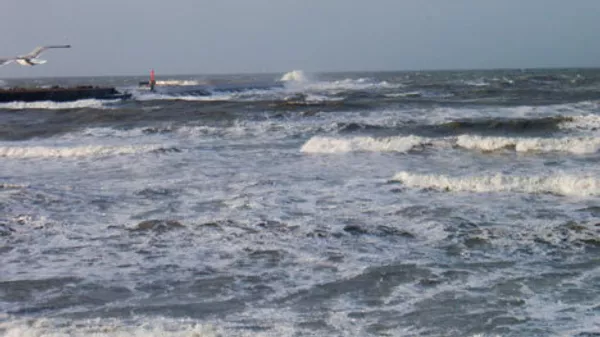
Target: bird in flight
<point x="31" y="58"/>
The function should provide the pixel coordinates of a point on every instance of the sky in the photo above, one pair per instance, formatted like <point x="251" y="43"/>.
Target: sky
<point x="130" y="37"/>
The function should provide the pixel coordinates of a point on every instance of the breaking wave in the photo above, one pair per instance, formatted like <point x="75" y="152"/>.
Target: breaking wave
<point x="295" y="76"/>
<point x="49" y="105"/>
<point x="578" y="145"/>
<point x="343" y="145"/>
<point x="298" y="80"/>
<point x="567" y="185"/>
<point x="8" y="186"/>
<point x="178" y="82"/>
<point x="109" y="328"/>
<point x="575" y="145"/>
<point x="221" y="96"/>
<point x="27" y="152"/>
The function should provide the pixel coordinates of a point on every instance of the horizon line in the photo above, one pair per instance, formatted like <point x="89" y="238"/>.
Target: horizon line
<point x="323" y="72"/>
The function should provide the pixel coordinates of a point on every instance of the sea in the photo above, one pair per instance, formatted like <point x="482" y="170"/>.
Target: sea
<point x="417" y="203"/>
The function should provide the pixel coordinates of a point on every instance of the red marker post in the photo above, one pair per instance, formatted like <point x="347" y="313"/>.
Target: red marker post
<point x="152" y="81"/>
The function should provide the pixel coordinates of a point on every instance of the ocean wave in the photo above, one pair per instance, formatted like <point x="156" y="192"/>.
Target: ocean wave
<point x="178" y="82"/>
<point x="8" y="186"/>
<point x="298" y="80"/>
<point x="29" y="152"/>
<point x="578" y="145"/>
<point x="406" y="94"/>
<point x="108" y="132"/>
<point x="50" y="105"/>
<point x="343" y="145"/>
<point x="108" y="328"/>
<point x="560" y="113"/>
<point x="582" y="122"/>
<point x="560" y="184"/>
<point x="477" y="83"/>
<point x="198" y="133"/>
<point x="189" y="97"/>
<point x="295" y="76"/>
<point x="503" y="124"/>
<point x="220" y="96"/>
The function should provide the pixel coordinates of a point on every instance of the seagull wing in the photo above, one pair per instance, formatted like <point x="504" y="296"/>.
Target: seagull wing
<point x="37" y="51"/>
<point x="4" y="62"/>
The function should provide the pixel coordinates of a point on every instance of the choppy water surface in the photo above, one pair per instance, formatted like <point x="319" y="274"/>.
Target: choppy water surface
<point x="357" y="204"/>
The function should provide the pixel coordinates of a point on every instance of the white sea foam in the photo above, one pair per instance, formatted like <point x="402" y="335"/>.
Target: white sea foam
<point x="298" y="80"/>
<point x="343" y="145"/>
<point x="108" y="328"/>
<point x="23" y="152"/>
<point x="8" y="186"/>
<point x="477" y="83"/>
<point x="579" y="145"/>
<point x="295" y="76"/>
<point x="270" y="128"/>
<point x="244" y="96"/>
<point x="561" y="184"/>
<point x="575" y="145"/>
<point x="104" y="132"/>
<point x="49" y="105"/>
<point x="178" y="82"/>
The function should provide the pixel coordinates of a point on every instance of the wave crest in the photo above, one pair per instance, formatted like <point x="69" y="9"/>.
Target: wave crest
<point x="295" y="76"/>
<point x="298" y="80"/>
<point x="343" y="145"/>
<point x="50" y="105"/>
<point x="575" y="145"/>
<point x="568" y="185"/>
<point x="28" y="152"/>
<point x="178" y="82"/>
<point x="578" y="145"/>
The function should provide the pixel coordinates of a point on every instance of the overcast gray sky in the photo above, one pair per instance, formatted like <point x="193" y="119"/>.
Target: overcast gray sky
<point x="128" y="37"/>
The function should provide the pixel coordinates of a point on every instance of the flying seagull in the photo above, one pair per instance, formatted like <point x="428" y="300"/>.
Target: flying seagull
<point x="31" y="58"/>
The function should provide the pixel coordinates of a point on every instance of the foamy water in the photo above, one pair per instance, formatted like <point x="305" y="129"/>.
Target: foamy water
<point x="49" y="105"/>
<point x="391" y="144"/>
<point x="575" y="145"/>
<point x="578" y="145"/>
<point x="562" y="184"/>
<point x="298" y="80"/>
<point x="72" y="151"/>
<point x="371" y="204"/>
